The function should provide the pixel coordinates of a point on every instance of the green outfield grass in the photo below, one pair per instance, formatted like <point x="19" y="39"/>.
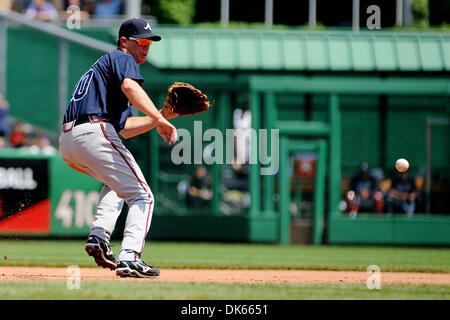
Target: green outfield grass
<point x="204" y="291"/>
<point x="61" y="253"/>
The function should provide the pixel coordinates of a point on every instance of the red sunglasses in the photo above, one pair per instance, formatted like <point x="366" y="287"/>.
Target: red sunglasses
<point x="142" y="42"/>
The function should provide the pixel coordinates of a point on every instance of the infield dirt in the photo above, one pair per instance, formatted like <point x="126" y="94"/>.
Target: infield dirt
<point x="228" y="276"/>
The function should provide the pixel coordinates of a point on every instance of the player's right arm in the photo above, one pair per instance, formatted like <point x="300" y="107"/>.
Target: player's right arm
<point x="138" y="125"/>
<point x="139" y="98"/>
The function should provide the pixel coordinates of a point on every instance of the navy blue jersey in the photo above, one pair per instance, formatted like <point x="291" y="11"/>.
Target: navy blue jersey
<point x="98" y="91"/>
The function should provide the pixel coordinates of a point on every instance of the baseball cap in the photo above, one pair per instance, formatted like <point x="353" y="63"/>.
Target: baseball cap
<point x="137" y="28"/>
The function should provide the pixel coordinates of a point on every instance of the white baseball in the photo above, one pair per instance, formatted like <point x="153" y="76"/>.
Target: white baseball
<point x="402" y="165"/>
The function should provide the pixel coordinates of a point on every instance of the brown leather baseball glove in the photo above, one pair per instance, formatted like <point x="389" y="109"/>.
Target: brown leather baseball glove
<point x="185" y="99"/>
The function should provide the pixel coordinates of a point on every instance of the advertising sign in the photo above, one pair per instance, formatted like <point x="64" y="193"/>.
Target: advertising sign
<point x="24" y="196"/>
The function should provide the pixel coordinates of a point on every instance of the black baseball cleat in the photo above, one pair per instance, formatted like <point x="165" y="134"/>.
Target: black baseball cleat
<point x="136" y="269"/>
<point x="101" y="251"/>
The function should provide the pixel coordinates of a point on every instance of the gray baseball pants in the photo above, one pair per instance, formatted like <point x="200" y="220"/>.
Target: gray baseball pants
<point x="94" y="148"/>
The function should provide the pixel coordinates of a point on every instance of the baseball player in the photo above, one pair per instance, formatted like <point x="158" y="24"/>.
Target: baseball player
<point x="100" y="109"/>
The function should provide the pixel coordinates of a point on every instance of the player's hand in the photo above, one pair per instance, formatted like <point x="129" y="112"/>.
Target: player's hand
<point x="167" y="131"/>
<point x="168" y="113"/>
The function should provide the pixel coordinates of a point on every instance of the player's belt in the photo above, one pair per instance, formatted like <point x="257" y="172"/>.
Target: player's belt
<point x="91" y="119"/>
<point x="68" y="126"/>
<point x="81" y="121"/>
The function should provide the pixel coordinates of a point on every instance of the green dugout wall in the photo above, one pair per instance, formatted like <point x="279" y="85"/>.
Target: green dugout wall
<point x="330" y="88"/>
<point x="422" y="229"/>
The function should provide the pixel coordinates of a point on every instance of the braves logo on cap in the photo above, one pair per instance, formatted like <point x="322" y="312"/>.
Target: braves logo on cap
<point x="148" y="27"/>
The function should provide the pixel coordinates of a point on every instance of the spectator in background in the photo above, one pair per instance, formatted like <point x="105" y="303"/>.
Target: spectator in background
<point x="46" y="147"/>
<point x="41" y="143"/>
<point x="18" y="136"/>
<point x="236" y="176"/>
<point x="364" y="194"/>
<point x="107" y="9"/>
<point x="4" y="108"/>
<point x="235" y="188"/>
<point x="199" y="191"/>
<point x="402" y="196"/>
<point x="72" y="7"/>
<point x="89" y="6"/>
<point x="20" y="5"/>
<point x="78" y="3"/>
<point x="41" y="10"/>
<point x="419" y="182"/>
